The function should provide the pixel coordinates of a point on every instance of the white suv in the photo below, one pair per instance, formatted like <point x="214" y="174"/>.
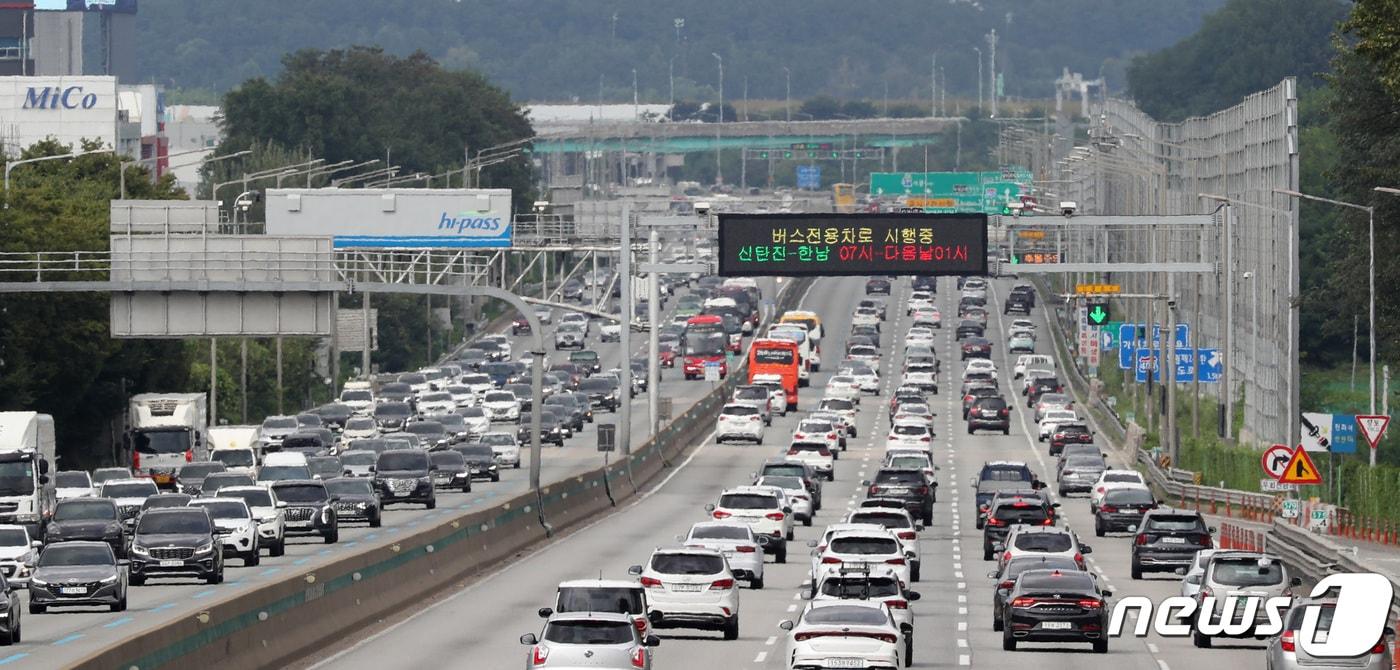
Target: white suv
<point x="235" y="526"/>
<point x="263" y="503"/>
<point x="902" y="524"/>
<point x="860" y="548"/>
<point x="691" y="588"/>
<point x="764" y="509"/>
<point x="740" y="546"/>
<point x="739" y="421"/>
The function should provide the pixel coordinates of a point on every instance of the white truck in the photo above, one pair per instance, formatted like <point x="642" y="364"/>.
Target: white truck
<point x="237" y="447"/>
<point x="27" y="453"/>
<point x="165" y="431"/>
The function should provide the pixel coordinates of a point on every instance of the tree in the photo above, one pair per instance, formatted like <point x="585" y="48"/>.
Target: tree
<point x="1376" y="26"/>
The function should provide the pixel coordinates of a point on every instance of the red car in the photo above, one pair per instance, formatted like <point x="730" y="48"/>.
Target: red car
<point x="666" y="355"/>
<point x="976" y="347"/>
<point x="519" y="325"/>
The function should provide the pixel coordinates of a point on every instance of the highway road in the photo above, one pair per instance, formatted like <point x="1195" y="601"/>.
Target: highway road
<point x="64" y="636"/>
<point x="480" y="625"/>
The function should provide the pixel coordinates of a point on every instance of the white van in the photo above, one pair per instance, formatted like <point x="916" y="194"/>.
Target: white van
<point x="811" y="360"/>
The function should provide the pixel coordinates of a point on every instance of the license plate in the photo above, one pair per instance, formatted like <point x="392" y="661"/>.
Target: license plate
<point x="73" y="591"/>
<point x="686" y="588"/>
<point x="171" y="564"/>
<point x="1056" y="625"/>
<point x="845" y="662"/>
<point x="1174" y="540"/>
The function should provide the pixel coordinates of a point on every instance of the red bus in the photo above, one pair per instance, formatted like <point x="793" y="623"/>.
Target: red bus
<point x="704" y="342"/>
<point x="776" y="357"/>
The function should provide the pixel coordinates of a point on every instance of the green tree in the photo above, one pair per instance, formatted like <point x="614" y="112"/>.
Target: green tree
<point x="1375" y="25"/>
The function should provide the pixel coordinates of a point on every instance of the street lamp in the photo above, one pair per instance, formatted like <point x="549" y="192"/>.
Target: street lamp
<point x="979" y="77"/>
<point x="719" y="163"/>
<point x="14" y="164"/>
<point x="121" y="189"/>
<point x="787" y="93"/>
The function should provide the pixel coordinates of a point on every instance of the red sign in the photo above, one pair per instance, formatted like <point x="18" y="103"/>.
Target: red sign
<point x="1372" y="427"/>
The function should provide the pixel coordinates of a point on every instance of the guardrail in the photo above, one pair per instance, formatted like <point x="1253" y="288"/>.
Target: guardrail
<point x="283" y="621"/>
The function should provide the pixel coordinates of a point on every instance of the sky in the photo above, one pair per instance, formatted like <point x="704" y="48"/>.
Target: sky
<point x="51" y="4"/>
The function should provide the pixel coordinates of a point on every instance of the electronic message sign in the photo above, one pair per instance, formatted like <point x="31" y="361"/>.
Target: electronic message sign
<point x="796" y="245"/>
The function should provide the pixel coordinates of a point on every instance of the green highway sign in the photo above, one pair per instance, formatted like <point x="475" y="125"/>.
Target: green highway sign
<point x="988" y="192"/>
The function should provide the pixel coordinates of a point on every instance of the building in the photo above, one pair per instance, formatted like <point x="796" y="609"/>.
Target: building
<point x="72" y="109"/>
<point x="16" y="36"/>
<point x="89" y="38"/>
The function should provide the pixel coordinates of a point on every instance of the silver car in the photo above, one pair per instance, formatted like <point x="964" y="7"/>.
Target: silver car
<point x="1284" y="652"/>
<point x="600" y="640"/>
<point x="1243" y="573"/>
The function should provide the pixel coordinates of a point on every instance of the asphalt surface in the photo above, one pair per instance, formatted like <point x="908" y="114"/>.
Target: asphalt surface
<point x="479" y="626"/>
<point x="64" y="636"/>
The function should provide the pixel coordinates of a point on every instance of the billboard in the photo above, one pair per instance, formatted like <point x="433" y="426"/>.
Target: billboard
<point x="118" y="6"/>
<point x="796" y="245"/>
<point x="68" y="109"/>
<point x="394" y="218"/>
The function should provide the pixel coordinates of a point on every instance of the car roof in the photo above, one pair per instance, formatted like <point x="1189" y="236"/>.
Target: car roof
<point x="129" y="480"/>
<point x="203" y="501"/>
<point x="859" y="530"/>
<point x="764" y="490"/>
<point x="589" y="616"/>
<point x="687" y="550"/>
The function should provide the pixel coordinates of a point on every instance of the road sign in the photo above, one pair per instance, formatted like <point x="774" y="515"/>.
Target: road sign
<point x="1098" y="289"/>
<point x="712" y="371"/>
<point x="607" y="436"/>
<point x="1109" y="335"/>
<point x="1270" y="486"/>
<point x="1210" y="365"/>
<point x="1093" y="355"/>
<point x="1098" y="312"/>
<point x="1300" y="469"/>
<point x="1372" y="427"/>
<point x="809" y="177"/>
<point x="1291" y="509"/>
<point x="1183" y="335"/>
<point x="1317" y="431"/>
<point x="1185" y="365"/>
<point x="1146" y="361"/>
<point x="1275" y="459"/>
<point x="1126" y="346"/>
<point x="1343" y="434"/>
<point x="1317" y="519"/>
<point x="826" y="244"/>
<point x="1083" y="312"/>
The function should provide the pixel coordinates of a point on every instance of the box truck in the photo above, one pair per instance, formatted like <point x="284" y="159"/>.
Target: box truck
<point x="27" y="453"/>
<point x="165" y="431"/>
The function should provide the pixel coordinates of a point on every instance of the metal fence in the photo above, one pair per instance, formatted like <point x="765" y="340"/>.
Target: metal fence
<point x="1138" y="165"/>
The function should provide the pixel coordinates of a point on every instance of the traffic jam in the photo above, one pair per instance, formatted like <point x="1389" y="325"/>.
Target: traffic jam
<point x="857" y="510"/>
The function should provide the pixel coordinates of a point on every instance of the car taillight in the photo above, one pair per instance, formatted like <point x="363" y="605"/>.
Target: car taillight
<point x="776" y="516"/>
<point x="720" y="514"/>
<point x="798" y="436"/>
<point x="1379" y="648"/>
<point x="922" y="490"/>
<point x="907" y="535"/>
<point x="650" y="582"/>
<point x="874" y="489"/>
<point x="1049" y="521"/>
<point x="831" y="560"/>
<point x="721" y="584"/>
<point x="895" y="561"/>
<point x="1286" y="641"/>
<point x="135" y="461"/>
<point x="1079" y="558"/>
<point x="995" y="522"/>
<point x="1022" y="602"/>
<point x="1090" y="603"/>
<point x="967" y="398"/>
<point x="1108" y="508"/>
<point x="1008" y="584"/>
<point x="1204" y="540"/>
<point x="640" y="623"/>
<point x="831" y="436"/>
<point x="745" y="549"/>
<point x="925" y="439"/>
<point x="793" y="452"/>
<point x="753" y="417"/>
<point x="1005" y="412"/>
<point x="639" y="657"/>
<point x="540" y="655"/>
<point x="1141" y="539"/>
<point x="898" y="604"/>
<point x="1099" y="489"/>
<point x="189" y="455"/>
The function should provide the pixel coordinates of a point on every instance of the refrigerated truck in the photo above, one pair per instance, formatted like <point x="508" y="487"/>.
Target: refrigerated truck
<point x="165" y="431"/>
<point x="28" y="450"/>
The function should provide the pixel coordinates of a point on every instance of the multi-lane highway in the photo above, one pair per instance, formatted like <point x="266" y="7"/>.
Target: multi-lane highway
<point x="480" y="625"/>
<point x="65" y="635"/>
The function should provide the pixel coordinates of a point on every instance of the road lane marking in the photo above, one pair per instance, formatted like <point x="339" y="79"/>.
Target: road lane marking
<point x="771" y="641"/>
<point x="12" y="658"/>
<point x="762" y="655"/>
<point x="962" y="626"/>
<point x="1152" y="647"/>
<point x="65" y="640"/>
<point x="203" y="594"/>
<point x="792" y="608"/>
<point x="962" y="642"/>
<point x="119" y="622"/>
<point x="161" y="608"/>
<point x="964" y="659"/>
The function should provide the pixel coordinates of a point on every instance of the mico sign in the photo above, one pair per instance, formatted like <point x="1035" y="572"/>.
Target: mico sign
<point x="59" y="97"/>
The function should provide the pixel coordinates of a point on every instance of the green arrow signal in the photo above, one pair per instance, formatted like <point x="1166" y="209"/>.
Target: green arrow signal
<point x="1098" y="315"/>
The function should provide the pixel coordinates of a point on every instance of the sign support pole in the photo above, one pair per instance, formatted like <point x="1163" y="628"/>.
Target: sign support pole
<point x="624" y="438"/>
<point x="1169" y="344"/>
<point x="653" y="344"/>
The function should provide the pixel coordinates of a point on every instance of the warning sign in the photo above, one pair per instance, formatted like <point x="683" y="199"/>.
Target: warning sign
<point x="1300" y="469"/>
<point x="1372" y="427"/>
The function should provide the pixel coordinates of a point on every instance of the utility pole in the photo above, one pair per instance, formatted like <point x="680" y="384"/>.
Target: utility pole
<point x="787" y="93"/>
<point x="1169" y="371"/>
<point x="213" y="381"/>
<point x="364" y="353"/>
<point x="992" y="58"/>
<point x="624" y="275"/>
<point x="671" y="84"/>
<point x="719" y="163"/>
<point x="636" y="108"/>
<point x="979" y="77"/>
<point x="933" y="87"/>
<point x="653" y="342"/>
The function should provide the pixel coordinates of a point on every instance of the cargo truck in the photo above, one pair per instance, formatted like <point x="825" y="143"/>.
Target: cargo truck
<point x="27" y="453"/>
<point x="165" y="431"/>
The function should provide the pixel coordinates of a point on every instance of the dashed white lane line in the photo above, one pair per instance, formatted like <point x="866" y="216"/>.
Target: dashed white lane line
<point x="964" y="659"/>
<point x="792" y="608"/>
<point x="761" y="657"/>
<point x="962" y="610"/>
<point x="798" y="596"/>
<point x="962" y="642"/>
<point x="962" y="626"/>
<point x="771" y="641"/>
<point x="1163" y="664"/>
<point x="1152" y="647"/>
<point x="962" y="599"/>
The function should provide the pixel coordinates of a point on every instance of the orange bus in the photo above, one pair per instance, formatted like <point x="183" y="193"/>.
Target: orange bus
<point x="776" y="357"/>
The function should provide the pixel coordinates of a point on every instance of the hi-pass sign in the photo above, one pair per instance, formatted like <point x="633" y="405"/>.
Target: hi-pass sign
<point x="796" y="245"/>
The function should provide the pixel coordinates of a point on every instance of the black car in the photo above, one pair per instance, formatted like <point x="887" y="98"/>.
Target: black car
<point x="923" y="283"/>
<point x="189" y="478"/>
<point x="523" y="393"/>
<point x="1069" y="433"/>
<point x="1169" y="539"/>
<point x="969" y="328"/>
<point x="1005" y="514"/>
<point x="325" y="467"/>
<point x="310" y="509"/>
<point x="1026" y="290"/>
<point x="71" y="573"/>
<point x="355" y="500"/>
<point x="176" y="541"/>
<point x="431" y="434"/>
<point x="989" y="413"/>
<point x="334" y="415"/>
<point x="480" y="461"/>
<point x="1018" y="301"/>
<point x="1001" y="476"/>
<point x="877" y="287"/>
<point x="975" y="394"/>
<point x="1122" y="509"/>
<point x="1056" y="606"/>
<point x="976" y="347"/>
<point x="165" y="501"/>
<point x="1006" y="577"/>
<point x="392" y="416"/>
<point x="472" y="359"/>
<point x="573" y="290"/>
<point x="87" y="519"/>
<point x="493" y="350"/>
<point x="909" y="485"/>
<point x="218" y="480"/>
<point x="601" y="393"/>
<point x="579" y="411"/>
<point x="405" y="476"/>
<point x="1040" y="387"/>
<point x="450" y="470"/>
<point x="310" y="444"/>
<point x="551" y="429"/>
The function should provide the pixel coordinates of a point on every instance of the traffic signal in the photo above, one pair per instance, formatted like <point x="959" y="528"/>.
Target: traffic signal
<point x="835" y="154"/>
<point x="763" y="155"/>
<point x="1099" y="312"/>
<point x="787" y="155"/>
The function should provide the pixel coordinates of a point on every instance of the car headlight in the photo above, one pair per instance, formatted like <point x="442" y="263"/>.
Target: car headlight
<point x="109" y="580"/>
<point x="35" y="581"/>
<point x="204" y="548"/>
<point x="361" y="505"/>
<point x="139" y="550"/>
<point x="425" y="481"/>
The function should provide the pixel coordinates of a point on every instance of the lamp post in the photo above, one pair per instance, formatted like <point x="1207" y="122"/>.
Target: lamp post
<point x="787" y="93"/>
<point x="14" y="164"/>
<point x="719" y="164"/>
<point x="121" y="189"/>
<point x="979" y="77"/>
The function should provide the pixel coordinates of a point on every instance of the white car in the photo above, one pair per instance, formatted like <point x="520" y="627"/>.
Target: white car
<point x="461" y="394"/>
<point x="777" y="397"/>
<point x="865" y="376"/>
<point x="691" y="588"/>
<point x="361" y="401"/>
<point x="272" y="520"/>
<point x="914" y="412"/>
<point x="846" y="407"/>
<point x="912" y="459"/>
<point x="902" y="524"/>
<point x="1027" y="361"/>
<point x="1033" y="374"/>
<point x="815" y="453"/>
<point x="866" y="316"/>
<point x="237" y="460"/>
<point x="575" y="319"/>
<point x="918" y="300"/>
<point x="73" y="484"/>
<point x="1191" y="583"/>
<point x="17" y="553"/>
<point x="843" y="386"/>
<point x="1053" y="419"/>
<point x="476" y="419"/>
<point x="1022" y="540"/>
<point x="919" y="336"/>
<point x="875" y="585"/>
<point x="845" y="634"/>
<point x="798" y="497"/>
<point x="235" y="526"/>
<point x="129" y="494"/>
<point x="982" y="365"/>
<point x="737" y="542"/>
<point x="479" y="383"/>
<point x="739" y="421"/>
<point x="909" y="435"/>
<point x="1023" y="323"/>
<point x="505" y="446"/>
<point x="501" y="339"/>
<point x="274" y="428"/>
<point x="816" y="430"/>
<point x="435" y="402"/>
<point x="501" y="406"/>
<point x="922" y="375"/>
<point x="763" y="508"/>
<point x="360" y="428"/>
<point x="814" y="568"/>
<point x="610" y="331"/>
<point x="1115" y="479"/>
<point x="857" y="548"/>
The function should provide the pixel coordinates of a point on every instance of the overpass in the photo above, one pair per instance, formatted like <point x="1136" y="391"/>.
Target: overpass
<point x="694" y="137"/>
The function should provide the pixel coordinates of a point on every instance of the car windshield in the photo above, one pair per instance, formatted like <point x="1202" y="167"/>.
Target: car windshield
<point x="747" y="501"/>
<point x="589" y="632"/>
<point x="600" y="599"/>
<point x="1004" y="475"/>
<point x="129" y="489"/>
<point x="412" y="378"/>
<point x="1129" y="497"/>
<point x="899" y="477"/>
<point x="864" y="545"/>
<point x="390" y="461"/>
<point x="860" y="616"/>
<point x="1023" y="563"/>
<point x="687" y="564"/>
<point x="451" y="459"/>
<point x="720" y="533"/>
<point x="198" y="471"/>
<point x="500" y="396"/>
<point x="278" y="472"/>
<point x="751" y="393"/>
<point x="910" y="429"/>
<point x="85" y="510"/>
<point x="177" y="522"/>
<point x="875" y="587"/>
<point x="1324" y="616"/>
<point x="280" y="422"/>
<point x="424" y="428"/>
<point x="62" y="555"/>
<point x="498" y="439"/>
<point x="253" y="496"/>
<point x="356" y="396"/>
<point x="1251" y="571"/>
<point x="909" y="462"/>
<point x="1061" y="582"/>
<point x="392" y="409"/>
<point x="740" y="410"/>
<point x="302" y="494"/>
<point x="1122" y="477"/>
<point x="1174" y="523"/>
<point x="435" y="397"/>
<point x="815" y="427"/>
<point x="1084" y="463"/>
<point x="478" y="453"/>
<point x="358" y="458"/>
<point x="220" y="509"/>
<point x="13" y="537"/>
<point x="71" y="480"/>
<point x="476" y="379"/>
<point x="1046" y="542"/>
<point x="789" y="483"/>
<point x="886" y="519"/>
<point x="837" y="404"/>
<point x="234" y="458"/>
<point x="345" y="486"/>
<point x="1020" y="512"/>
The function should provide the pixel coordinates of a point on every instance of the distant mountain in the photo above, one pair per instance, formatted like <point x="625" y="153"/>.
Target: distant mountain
<point x="556" y="50"/>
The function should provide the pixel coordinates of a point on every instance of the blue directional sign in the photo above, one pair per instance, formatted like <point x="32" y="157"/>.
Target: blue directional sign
<point x="1210" y="365"/>
<point x="1145" y="361"/>
<point x="1183" y="335"/>
<point x="1185" y="365"/>
<point x="1343" y="434"/>
<point x="809" y="177"/>
<point x="1126" y="345"/>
